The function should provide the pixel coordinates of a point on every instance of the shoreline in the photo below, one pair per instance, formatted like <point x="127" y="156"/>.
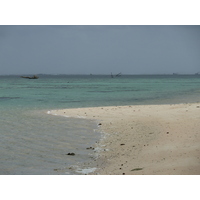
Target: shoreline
<point x="145" y="139"/>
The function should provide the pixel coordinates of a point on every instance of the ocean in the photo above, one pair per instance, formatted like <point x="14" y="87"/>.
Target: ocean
<point x="33" y="142"/>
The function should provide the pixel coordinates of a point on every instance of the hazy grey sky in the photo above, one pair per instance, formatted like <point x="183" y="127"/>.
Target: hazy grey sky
<point x="99" y="49"/>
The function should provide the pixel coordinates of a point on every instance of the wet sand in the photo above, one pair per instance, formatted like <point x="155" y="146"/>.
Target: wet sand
<point x="146" y="139"/>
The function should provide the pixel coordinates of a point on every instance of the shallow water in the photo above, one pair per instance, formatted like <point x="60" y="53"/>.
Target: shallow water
<point x="33" y="142"/>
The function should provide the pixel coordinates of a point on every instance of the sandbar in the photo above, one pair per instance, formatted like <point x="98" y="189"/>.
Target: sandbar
<point x="145" y="139"/>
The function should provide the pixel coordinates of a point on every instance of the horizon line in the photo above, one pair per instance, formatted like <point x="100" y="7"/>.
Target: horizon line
<point x="100" y="74"/>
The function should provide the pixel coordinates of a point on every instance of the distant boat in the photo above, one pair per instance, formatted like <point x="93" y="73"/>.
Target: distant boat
<point x="30" y="77"/>
<point x="117" y="75"/>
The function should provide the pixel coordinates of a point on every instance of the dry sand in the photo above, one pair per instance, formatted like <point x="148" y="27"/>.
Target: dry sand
<point x="146" y="139"/>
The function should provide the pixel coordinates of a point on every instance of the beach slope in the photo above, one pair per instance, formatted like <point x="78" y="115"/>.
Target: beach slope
<point x="146" y="139"/>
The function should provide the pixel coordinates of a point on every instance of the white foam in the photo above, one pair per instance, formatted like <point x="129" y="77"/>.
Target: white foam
<point x="86" y="171"/>
<point x="81" y="117"/>
<point x="50" y="113"/>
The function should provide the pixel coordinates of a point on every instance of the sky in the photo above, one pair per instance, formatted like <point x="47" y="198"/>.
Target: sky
<point x="98" y="49"/>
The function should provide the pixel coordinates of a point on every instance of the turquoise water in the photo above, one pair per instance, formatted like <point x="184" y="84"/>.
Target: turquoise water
<point x="33" y="142"/>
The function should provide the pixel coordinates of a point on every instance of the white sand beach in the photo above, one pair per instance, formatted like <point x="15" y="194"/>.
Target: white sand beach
<point x="146" y="139"/>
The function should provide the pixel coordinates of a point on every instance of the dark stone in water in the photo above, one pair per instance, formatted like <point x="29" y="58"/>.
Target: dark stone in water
<point x="90" y="148"/>
<point x="71" y="154"/>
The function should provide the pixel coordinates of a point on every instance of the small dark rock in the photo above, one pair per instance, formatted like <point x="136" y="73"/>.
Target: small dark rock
<point x="100" y="124"/>
<point x="122" y="144"/>
<point x="167" y="132"/>
<point x="90" y="148"/>
<point x="137" y="169"/>
<point x="71" y="154"/>
<point x="123" y="173"/>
